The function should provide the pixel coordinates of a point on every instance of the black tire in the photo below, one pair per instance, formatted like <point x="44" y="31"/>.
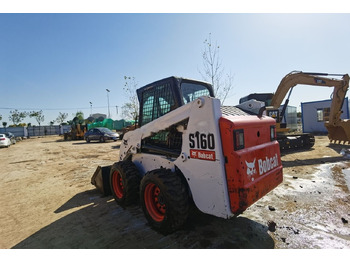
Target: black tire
<point x="102" y="139"/>
<point x="125" y="183"/>
<point x="165" y="200"/>
<point x="87" y="140"/>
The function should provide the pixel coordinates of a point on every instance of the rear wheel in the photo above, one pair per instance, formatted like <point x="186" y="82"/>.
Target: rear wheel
<point x="164" y="200"/>
<point x="125" y="183"/>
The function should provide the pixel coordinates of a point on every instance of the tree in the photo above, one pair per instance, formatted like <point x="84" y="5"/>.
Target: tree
<point x="38" y="115"/>
<point x="16" y="117"/>
<point x="61" y="117"/>
<point x="0" y="117"/>
<point x="79" y="117"/>
<point x="4" y="124"/>
<point x="130" y="109"/>
<point x="213" y="71"/>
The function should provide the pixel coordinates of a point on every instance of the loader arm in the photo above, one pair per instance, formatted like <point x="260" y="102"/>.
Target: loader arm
<point x="316" y="79"/>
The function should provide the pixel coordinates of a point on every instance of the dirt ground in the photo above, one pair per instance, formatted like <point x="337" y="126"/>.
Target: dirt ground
<point x="47" y="201"/>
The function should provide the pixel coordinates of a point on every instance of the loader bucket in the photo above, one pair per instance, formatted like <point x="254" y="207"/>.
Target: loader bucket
<point x="339" y="133"/>
<point x="100" y="179"/>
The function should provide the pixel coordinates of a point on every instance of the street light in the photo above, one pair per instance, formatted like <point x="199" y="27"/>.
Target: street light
<point x="90" y="109"/>
<point x="109" y="114"/>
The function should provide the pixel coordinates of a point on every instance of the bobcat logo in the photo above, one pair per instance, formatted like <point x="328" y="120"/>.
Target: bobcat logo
<point x="251" y="170"/>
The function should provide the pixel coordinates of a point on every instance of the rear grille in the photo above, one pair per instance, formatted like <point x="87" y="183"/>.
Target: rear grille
<point x="233" y="111"/>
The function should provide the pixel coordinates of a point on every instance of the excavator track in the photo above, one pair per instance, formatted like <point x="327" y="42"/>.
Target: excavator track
<point x="299" y="141"/>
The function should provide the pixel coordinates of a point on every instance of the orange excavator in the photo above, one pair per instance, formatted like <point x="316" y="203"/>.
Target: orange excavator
<point x="338" y="129"/>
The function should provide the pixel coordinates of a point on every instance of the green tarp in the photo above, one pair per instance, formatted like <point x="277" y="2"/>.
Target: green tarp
<point x="112" y="125"/>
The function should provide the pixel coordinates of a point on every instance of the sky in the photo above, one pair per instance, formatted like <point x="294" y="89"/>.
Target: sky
<point x="62" y="61"/>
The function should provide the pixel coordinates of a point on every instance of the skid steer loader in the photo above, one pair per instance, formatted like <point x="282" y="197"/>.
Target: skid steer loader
<point x="190" y="149"/>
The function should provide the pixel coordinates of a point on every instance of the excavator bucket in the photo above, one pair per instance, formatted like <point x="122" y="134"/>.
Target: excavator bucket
<point x="339" y="133"/>
<point x="100" y="179"/>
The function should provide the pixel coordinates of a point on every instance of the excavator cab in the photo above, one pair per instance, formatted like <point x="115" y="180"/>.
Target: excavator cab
<point x="271" y="112"/>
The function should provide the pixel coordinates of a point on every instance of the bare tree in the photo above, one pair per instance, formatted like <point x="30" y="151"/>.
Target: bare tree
<point x="130" y="109"/>
<point x="213" y="71"/>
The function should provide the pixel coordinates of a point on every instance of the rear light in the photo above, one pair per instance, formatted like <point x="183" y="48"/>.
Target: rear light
<point x="2" y="138"/>
<point x="238" y="138"/>
<point x="273" y="133"/>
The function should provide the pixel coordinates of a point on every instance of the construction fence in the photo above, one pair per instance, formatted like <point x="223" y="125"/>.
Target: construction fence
<point x="29" y="131"/>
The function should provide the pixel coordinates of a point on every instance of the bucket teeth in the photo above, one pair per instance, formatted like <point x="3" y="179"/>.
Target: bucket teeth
<point x="340" y="133"/>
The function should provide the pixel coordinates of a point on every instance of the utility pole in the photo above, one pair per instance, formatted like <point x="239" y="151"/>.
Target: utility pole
<point x="109" y="113"/>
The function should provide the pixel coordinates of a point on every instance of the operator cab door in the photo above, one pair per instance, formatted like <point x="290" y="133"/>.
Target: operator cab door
<point x="156" y="101"/>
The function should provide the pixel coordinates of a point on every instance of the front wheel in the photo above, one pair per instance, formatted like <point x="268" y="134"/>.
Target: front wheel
<point x="125" y="183"/>
<point x="164" y="200"/>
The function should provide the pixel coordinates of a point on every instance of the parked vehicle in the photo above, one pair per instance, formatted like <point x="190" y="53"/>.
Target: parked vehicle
<point x="4" y="141"/>
<point x="11" y="136"/>
<point x="101" y="134"/>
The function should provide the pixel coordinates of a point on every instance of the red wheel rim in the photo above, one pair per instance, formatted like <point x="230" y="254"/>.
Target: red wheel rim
<point x="154" y="202"/>
<point x="118" y="186"/>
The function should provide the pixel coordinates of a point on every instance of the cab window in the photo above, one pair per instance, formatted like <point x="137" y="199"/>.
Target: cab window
<point x="157" y="101"/>
<point x="192" y="91"/>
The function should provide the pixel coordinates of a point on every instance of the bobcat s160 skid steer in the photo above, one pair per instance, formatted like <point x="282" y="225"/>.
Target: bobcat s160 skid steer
<point x="188" y="148"/>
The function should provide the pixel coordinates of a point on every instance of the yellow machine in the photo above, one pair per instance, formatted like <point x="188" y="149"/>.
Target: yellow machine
<point x="77" y="130"/>
<point x="338" y="129"/>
